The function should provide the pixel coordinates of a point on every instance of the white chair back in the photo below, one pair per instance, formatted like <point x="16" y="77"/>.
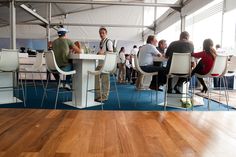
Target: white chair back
<point x="232" y="64"/>
<point x="180" y="63"/>
<point x="9" y="60"/>
<point x="110" y="63"/>
<point x="38" y="61"/>
<point x="136" y="64"/>
<point x="51" y="63"/>
<point x="220" y="65"/>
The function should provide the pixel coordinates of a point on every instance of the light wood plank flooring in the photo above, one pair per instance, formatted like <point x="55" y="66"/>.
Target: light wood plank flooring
<point x="61" y="133"/>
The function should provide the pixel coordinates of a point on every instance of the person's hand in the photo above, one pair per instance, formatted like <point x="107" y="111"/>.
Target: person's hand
<point x="193" y="64"/>
<point x="159" y="55"/>
<point x="101" y="52"/>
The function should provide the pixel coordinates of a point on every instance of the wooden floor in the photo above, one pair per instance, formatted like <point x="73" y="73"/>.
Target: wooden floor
<point x="60" y="133"/>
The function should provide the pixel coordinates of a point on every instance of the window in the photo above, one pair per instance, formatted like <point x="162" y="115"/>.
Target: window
<point x="229" y="32"/>
<point x="171" y="33"/>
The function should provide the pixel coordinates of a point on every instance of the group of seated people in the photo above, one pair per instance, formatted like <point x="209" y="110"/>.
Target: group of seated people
<point x="62" y="46"/>
<point x="183" y="45"/>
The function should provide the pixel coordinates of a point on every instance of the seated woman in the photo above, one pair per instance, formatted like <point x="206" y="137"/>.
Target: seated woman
<point x="204" y="66"/>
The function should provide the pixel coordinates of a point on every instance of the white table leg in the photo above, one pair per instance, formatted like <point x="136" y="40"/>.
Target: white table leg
<point x="79" y="84"/>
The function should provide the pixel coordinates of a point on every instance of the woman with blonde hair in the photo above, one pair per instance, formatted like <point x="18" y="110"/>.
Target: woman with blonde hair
<point x="207" y="57"/>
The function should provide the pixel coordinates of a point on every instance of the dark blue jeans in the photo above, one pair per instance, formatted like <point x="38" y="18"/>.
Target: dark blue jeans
<point x="161" y="77"/>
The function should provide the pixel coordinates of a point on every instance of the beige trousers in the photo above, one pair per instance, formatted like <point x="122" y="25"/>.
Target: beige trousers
<point x="122" y="73"/>
<point x="102" y="85"/>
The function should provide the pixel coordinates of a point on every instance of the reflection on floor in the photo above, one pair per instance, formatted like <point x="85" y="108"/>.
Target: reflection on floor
<point x="63" y="133"/>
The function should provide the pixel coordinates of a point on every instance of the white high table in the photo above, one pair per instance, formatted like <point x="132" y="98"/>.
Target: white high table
<point x="82" y="64"/>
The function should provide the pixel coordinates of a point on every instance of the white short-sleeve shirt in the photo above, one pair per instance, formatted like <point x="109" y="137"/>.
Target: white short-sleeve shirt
<point x="146" y="54"/>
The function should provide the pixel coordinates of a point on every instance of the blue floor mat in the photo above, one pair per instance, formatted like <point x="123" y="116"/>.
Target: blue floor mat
<point x="129" y="100"/>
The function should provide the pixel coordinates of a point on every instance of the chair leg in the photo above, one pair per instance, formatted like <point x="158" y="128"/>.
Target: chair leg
<point x="220" y="92"/>
<point x="25" y="87"/>
<point x="16" y="84"/>
<point x="36" y="93"/>
<point x="23" y="93"/>
<point x="157" y="91"/>
<point x="226" y="92"/>
<point x="87" y="90"/>
<point x="165" y="96"/>
<point x="74" y="92"/>
<point x="100" y="90"/>
<point x="208" y="94"/>
<point x="45" y="91"/>
<point x="118" y="99"/>
<point x="55" y="105"/>
<point x="192" y="93"/>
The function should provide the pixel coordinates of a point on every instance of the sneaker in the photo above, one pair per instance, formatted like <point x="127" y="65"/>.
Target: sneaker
<point x="61" y="85"/>
<point x="67" y="87"/>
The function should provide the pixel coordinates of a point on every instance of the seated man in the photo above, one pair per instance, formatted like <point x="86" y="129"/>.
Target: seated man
<point x="146" y="55"/>
<point x="61" y="47"/>
<point x="183" y="45"/>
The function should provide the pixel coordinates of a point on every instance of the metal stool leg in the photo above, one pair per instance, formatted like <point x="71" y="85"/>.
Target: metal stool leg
<point x="45" y="91"/>
<point x="226" y="92"/>
<point x="116" y="91"/>
<point x="55" y="105"/>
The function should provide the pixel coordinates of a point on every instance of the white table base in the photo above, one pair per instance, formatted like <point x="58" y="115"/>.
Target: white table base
<point x="82" y="66"/>
<point x="6" y="94"/>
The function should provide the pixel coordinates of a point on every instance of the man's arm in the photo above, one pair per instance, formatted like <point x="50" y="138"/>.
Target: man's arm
<point x="76" y="49"/>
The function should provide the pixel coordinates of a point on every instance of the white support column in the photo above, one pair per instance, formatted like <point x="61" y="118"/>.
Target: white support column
<point x="222" y="22"/>
<point x="143" y="24"/>
<point x="155" y="16"/>
<point x="12" y="24"/>
<point x="49" y="14"/>
<point x="182" y="18"/>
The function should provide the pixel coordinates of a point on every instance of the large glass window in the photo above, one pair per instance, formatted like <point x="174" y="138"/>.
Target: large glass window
<point x="171" y="33"/>
<point x="229" y="32"/>
<point x="205" y="23"/>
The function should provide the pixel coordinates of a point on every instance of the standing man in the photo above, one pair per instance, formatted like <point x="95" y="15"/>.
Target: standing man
<point x="183" y="45"/>
<point x="106" y="46"/>
<point x="61" y="47"/>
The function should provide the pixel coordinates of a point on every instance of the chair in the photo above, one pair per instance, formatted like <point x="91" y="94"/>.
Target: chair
<point x="180" y="67"/>
<point x="138" y="69"/>
<point x="109" y="67"/>
<point x="9" y="62"/>
<point x="52" y="67"/>
<point x="218" y="70"/>
<point x="35" y="68"/>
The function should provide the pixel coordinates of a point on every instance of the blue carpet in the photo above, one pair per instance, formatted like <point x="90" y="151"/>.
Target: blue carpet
<point x="128" y="98"/>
